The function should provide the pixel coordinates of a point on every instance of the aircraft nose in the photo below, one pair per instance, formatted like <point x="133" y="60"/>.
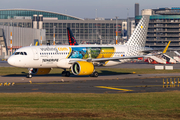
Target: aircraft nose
<point x="10" y="61"/>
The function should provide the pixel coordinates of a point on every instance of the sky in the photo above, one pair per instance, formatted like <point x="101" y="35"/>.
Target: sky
<point x="89" y="8"/>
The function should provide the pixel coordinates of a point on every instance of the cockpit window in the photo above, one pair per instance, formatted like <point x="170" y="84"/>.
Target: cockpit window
<point x="20" y="53"/>
<point x="17" y="53"/>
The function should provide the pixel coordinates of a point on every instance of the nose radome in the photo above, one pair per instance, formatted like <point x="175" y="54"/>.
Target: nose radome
<point x="10" y="61"/>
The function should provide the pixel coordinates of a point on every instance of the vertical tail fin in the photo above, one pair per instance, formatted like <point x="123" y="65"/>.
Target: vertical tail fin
<point x="72" y="40"/>
<point x="165" y="49"/>
<point x="138" y="38"/>
<point x="36" y="42"/>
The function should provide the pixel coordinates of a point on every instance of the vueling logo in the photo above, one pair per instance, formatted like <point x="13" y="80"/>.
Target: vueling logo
<point x="62" y="48"/>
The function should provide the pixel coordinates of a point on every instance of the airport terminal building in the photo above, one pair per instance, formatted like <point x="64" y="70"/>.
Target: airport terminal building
<point x="85" y="30"/>
<point x="164" y="26"/>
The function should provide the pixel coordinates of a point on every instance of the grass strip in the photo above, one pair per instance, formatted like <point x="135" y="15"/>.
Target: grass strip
<point x="160" y="105"/>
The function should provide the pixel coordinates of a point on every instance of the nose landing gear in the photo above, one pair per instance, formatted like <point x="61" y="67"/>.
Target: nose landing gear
<point x="29" y="75"/>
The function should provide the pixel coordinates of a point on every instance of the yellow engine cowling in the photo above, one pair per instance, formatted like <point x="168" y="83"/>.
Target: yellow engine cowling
<point x="82" y="68"/>
<point x="41" y="71"/>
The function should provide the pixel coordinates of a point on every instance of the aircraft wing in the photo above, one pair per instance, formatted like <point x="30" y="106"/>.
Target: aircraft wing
<point x="177" y="53"/>
<point x="108" y="59"/>
<point x="118" y="58"/>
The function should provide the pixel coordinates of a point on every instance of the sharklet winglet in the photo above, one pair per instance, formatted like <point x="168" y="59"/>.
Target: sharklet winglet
<point x="165" y="49"/>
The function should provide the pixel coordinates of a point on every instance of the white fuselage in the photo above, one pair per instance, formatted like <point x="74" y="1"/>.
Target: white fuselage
<point x="60" y="56"/>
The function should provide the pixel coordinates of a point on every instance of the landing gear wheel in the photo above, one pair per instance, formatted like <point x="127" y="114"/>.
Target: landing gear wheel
<point x="94" y="74"/>
<point x="29" y="76"/>
<point x="67" y="74"/>
<point x="63" y="73"/>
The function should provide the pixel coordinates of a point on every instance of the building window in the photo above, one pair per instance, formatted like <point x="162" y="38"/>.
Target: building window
<point x="77" y="36"/>
<point x="24" y="24"/>
<point x="47" y="31"/>
<point x="19" y="24"/>
<point x="103" y="25"/>
<point x="86" y="36"/>
<point x="81" y="31"/>
<point x="60" y="25"/>
<point x="56" y="25"/>
<point x="51" y="25"/>
<point x="46" y="25"/>
<point x="86" y="25"/>
<point x="51" y="30"/>
<point x="15" y="24"/>
<point x="90" y="30"/>
<point x="90" y="25"/>
<point x="94" y="30"/>
<point x="73" y="25"/>
<point x="64" y="30"/>
<point x="77" y="30"/>
<point x="81" y="25"/>
<point x="64" y="36"/>
<point x="73" y="31"/>
<point x="94" y="25"/>
<point x="111" y="25"/>
<point x="77" y="25"/>
<point x="86" y="31"/>
<point x="60" y="30"/>
<point x="81" y="36"/>
<point x="60" y="36"/>
<point x="64" y="25"/>
<point x="68" y="25"/>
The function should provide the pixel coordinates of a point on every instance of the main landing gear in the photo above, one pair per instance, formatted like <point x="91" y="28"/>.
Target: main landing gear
<point x="94" y="74"/>
<point x="65" y="73"/>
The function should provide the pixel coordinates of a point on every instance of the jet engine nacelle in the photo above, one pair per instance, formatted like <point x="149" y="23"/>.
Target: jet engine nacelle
<point x="82" y="68"/>
<point x="41" y="71"/>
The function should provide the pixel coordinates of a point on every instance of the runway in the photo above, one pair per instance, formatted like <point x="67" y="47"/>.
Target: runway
<point x="91" y="86"/>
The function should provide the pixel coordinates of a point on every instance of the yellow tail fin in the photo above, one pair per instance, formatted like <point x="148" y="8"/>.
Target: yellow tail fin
<point x="36" y="43"/>
<point x="165" y="49"/>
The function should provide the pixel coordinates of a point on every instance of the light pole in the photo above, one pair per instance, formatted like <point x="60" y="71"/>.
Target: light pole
<point x="54" y="35"/>
<point x="11" y="38"/>
<point x="116" y="31"/>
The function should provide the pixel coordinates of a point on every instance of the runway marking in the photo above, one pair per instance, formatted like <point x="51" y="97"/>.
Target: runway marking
<point x="140" y="86"/>
<point x="113" y="88"/>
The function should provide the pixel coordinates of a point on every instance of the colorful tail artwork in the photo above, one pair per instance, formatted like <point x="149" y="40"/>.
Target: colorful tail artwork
<point x="72" y="40"/>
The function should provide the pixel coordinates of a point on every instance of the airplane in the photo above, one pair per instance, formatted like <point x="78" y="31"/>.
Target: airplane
<point x="81" y="59"/>
<point x="160" y="58"/>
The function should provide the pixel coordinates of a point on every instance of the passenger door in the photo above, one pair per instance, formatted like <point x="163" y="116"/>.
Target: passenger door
<point x="35" y="54"/>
